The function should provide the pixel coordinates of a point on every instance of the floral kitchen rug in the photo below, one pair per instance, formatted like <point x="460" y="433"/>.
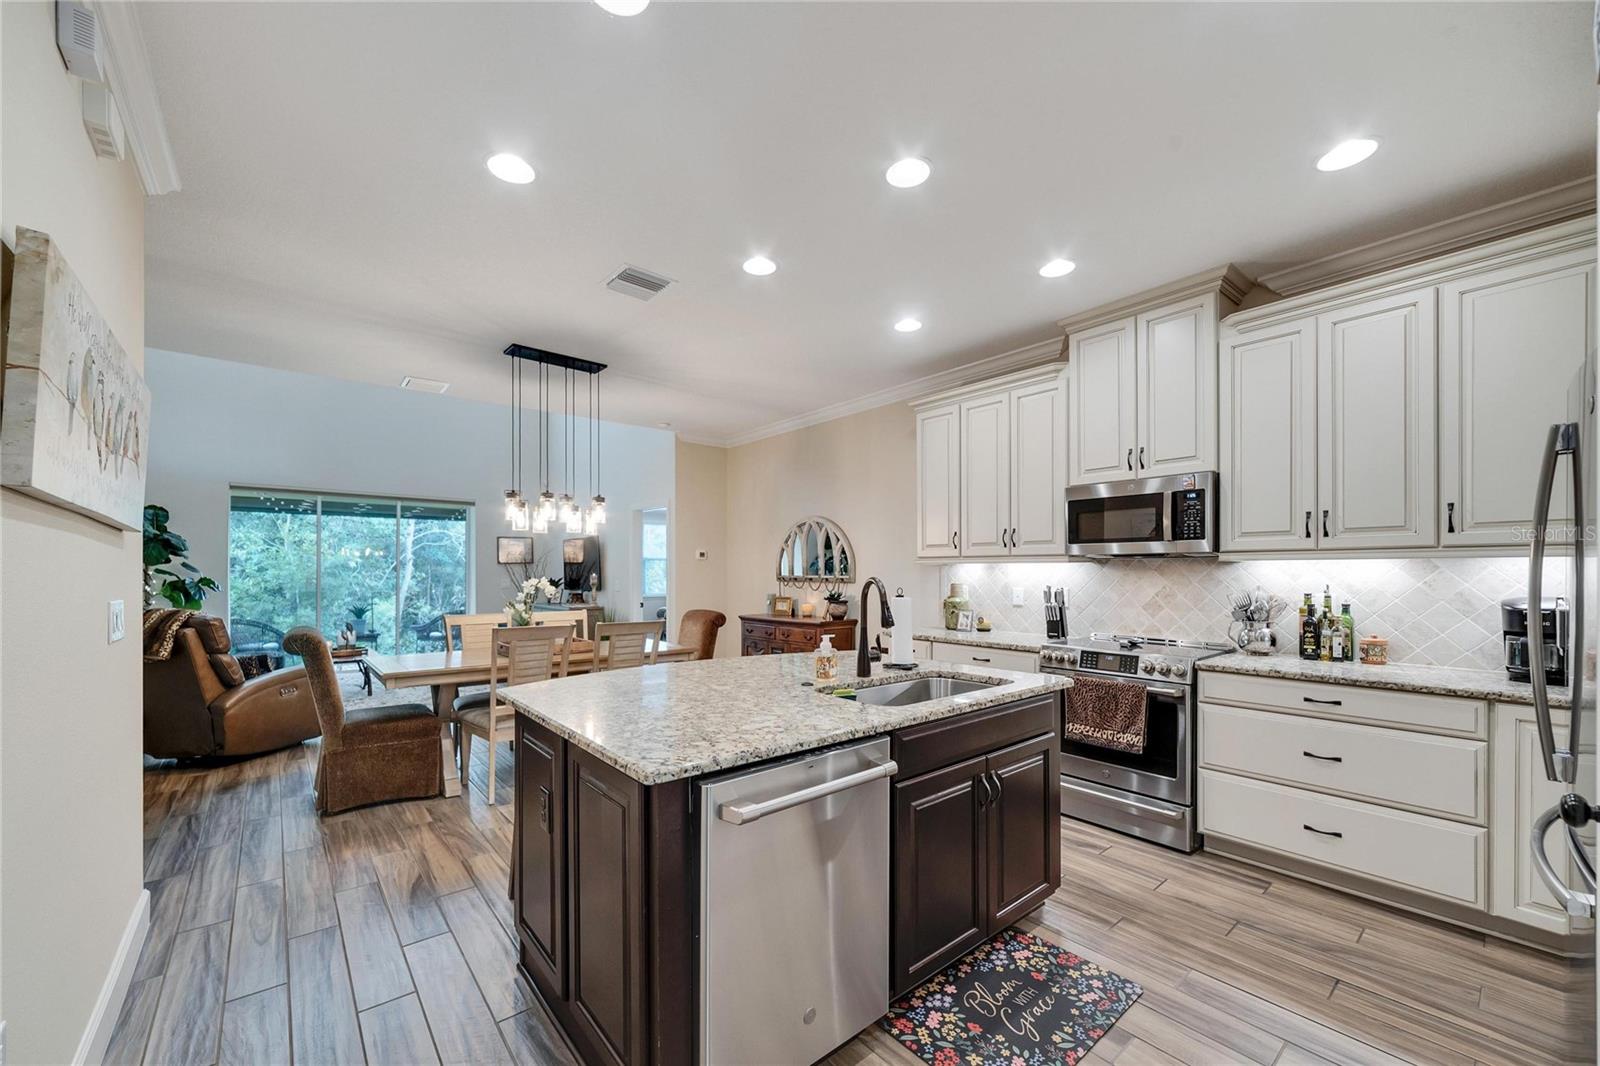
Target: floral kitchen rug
<point x="1018" y="1000"/>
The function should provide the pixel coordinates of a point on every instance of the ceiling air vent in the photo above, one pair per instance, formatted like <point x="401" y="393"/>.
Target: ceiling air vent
<point x="78" y="38"/>
<point x="640" y="284"/>
<point x="416" y="384"/>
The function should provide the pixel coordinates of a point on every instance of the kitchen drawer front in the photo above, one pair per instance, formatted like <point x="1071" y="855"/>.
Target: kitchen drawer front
<point x="1444" y="859"/>
<point x="1379" y="706"/>
<point x="922" y="748"/>
<point x="800" y="635"/>
<point x="1000" y="658"/>
<point x="1421" y="771"/>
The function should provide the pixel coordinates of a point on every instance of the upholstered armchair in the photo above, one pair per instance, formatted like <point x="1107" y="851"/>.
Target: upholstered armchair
<point x="698" y="630"/>
<point x="198" y="701"/>
<point x="370" y="754"/>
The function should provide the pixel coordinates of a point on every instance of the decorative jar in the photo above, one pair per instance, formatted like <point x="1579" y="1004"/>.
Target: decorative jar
<point x="955" y="603"/>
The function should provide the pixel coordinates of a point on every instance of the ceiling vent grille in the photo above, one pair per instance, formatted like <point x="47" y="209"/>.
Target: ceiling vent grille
<point x="416" y="384"/>
<point x="640" y="284"/>
<point x="78" y="38"/>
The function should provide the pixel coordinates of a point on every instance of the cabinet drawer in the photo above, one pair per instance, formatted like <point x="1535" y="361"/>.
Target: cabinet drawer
<point x="797" y="635"/>
<point x="1441" y="775"/>
<point x="937" y="744"/>
<point x="751" y="629"/>
<point x="1409" y="710"/>
<point x="1444" y="859"/>
<point x="999" y="658"/>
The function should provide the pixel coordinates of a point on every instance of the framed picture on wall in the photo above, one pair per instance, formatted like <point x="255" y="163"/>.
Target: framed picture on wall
<point x="513" y="550"/>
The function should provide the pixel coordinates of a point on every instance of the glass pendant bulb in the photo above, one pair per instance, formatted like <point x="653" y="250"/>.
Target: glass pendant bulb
<point x="519" y="519"/>
<point x="538" y="523"/>
<point x="513" y="504"/>
<point x="591" y="526"/>
<point x="547" y="507"/>
<point x="597" y="510"/>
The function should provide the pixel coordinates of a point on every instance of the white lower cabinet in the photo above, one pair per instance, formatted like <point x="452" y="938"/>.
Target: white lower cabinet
<point x="970" y="655"/>
<point x="1402" y="795"/>
<point x="1521" y="793"/>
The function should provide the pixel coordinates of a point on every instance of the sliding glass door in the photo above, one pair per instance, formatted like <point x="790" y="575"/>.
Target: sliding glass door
<point x="387" y="569"/>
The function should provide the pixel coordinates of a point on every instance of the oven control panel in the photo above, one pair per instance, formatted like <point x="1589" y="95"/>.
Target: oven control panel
<point x="1109" y="662"/>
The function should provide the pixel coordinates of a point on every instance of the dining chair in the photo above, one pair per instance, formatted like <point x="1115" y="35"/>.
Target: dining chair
<point x="523" y="654"/>
<point x="698" y="630"/>
<point x="627" y="644"/>
<point x="559" y="618"/>
<point x="475" y="631"/>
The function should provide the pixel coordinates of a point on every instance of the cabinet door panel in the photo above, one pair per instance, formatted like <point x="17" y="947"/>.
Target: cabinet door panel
<point x="986" y="475"/>
<point x="940" y="875"/>
<point x="938" y="481"/>
<point x="1038" y="468"/>
<point x="1177" y="389"/>
<point x="1375" y="424"/>
<point x="1269" y="439"/>
<point x="541" y="854"/>
<point x="605" y="857"/>
<point x="1024" y="829"/>
<point x="1101" y="366"/>
<point x="1510" y="342"/>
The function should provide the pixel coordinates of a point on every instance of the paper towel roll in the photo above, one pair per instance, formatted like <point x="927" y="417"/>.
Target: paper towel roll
<point x="900" y="639"/>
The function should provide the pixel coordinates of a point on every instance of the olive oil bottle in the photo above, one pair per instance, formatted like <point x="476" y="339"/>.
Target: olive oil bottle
<point x="1308" y="629"/>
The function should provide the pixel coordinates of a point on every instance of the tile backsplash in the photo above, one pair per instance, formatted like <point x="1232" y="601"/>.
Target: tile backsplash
<point x="1435" y="611"/>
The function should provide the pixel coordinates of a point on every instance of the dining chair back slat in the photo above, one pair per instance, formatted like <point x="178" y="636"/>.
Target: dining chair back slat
<point x="627" y="644"/>
<point x="558" y="618"/>
<point x="476" y="630"/>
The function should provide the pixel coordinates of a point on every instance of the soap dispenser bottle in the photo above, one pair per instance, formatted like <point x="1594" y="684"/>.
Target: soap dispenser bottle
<point x="825" y="661"/>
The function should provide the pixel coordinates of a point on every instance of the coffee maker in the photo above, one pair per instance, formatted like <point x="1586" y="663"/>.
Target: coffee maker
<point x="1553" y="617"/>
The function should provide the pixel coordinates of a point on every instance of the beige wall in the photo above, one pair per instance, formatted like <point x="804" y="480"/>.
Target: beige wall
<point x="698" y="522"/>
<point x="70" y="777"/>
<point x="858" y="471"/>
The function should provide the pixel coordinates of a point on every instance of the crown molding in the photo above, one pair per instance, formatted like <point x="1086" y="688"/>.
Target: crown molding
<point x="1227" y="280"/>
<point x="1538" y="209"/>
<point x="133" y="86"/>
<point x="1016" y="359"/>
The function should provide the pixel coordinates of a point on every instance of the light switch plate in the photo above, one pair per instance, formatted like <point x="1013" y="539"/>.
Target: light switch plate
<point x="116" y="623"/>
<point x="1017" y="599"/>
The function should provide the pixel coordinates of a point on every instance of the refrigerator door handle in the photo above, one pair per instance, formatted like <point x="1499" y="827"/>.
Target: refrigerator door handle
<point x="1559" y="766"/>
<point x="1577" y="904"/>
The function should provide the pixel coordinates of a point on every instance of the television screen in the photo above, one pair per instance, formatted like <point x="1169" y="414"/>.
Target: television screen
<point x="580" y="564"/>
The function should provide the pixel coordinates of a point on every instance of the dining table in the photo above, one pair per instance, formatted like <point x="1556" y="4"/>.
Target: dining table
<point x="444" y="672"/>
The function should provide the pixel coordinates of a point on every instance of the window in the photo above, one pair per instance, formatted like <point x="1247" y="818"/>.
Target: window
<point x="653" y="550"/>
<point x="388" y="568"/>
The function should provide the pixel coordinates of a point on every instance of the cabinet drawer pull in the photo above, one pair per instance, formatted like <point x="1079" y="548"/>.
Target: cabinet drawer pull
<point x="999" y="789"/>
<point x="1003" y="543"/>
<point x="1325" y="532"/>
<point x="1325" y="703"/>
<point x="988" y="792"/>
<point x="1450" y="517"/>
<point x="1013" y="536"/>
<point x="955" y="539"/>
<point x="981" y="659"/>
<point x="1130" y="458"/>
<point x="1323" y="832"/>
<point x="1141" y="457"/>
<point x="1308" y="525"/>
<point x="1323" y="758"/>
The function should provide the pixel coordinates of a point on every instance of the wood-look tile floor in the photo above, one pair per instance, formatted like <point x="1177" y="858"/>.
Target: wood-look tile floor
<point x="385" y="935"/>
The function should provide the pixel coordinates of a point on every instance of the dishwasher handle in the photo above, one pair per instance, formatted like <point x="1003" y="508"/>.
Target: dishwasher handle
<point x="744" y="813"/>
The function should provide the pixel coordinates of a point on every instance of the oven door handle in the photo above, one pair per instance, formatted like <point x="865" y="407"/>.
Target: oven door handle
<point x="1120" y="799"/>
<point x="1165" y="690"/>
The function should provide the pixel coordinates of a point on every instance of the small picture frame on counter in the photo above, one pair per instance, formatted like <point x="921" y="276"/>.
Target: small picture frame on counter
<point x="964" y="621"/>
<point x="783" y="606"/>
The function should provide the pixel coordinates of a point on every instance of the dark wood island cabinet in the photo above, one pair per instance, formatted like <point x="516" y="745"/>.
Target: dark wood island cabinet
<point x="606" y="871"/>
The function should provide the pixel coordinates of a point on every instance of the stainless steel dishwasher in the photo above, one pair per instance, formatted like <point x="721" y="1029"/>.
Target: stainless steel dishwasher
<point x="794" y="905"/>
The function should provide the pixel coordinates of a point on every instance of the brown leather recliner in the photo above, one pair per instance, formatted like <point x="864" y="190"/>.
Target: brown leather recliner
<point x="197" y="702"/>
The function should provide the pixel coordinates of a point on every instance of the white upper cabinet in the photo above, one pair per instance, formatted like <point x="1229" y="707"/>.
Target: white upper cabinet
<point x="1176" y="387"/>
<point x="1269" y="439"/>
<point x="992" y="467"/>
<point x="986" y="475"/>
<point x="1510" y="342"/>
<point x="1038" y="468"/>
<point x="938" y="480"/>
<point x="1375" y="423"/>
<point x="1105" y="404"/>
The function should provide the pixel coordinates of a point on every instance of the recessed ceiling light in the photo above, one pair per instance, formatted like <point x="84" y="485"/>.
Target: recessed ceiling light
<point x="759" y="265"/>
<point x="908" y="173"/>
<point x="1057" y="268"/>
<point x="1347" y="153"/>
<point x="908" y="325"/>
<point x="625" y="8"/>
<point x="512" y="168"/>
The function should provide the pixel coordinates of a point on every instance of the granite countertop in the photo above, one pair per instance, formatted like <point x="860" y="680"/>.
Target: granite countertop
<point x="675" y="720"/>
<point x="1004" y="639"/>
<point x="1437" y="680"/>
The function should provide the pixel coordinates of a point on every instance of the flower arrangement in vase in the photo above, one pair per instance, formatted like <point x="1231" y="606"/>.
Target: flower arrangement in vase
<point x="520" y="608"/>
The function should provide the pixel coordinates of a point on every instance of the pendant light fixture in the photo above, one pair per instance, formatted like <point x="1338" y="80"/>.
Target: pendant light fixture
<point x="549" y="509"/>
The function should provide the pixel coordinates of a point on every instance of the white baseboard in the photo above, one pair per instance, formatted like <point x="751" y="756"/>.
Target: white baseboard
<point x="97" y="1034"/>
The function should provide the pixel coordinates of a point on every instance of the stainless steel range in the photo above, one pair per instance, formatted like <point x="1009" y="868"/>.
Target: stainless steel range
<point x="1149" y="794"/>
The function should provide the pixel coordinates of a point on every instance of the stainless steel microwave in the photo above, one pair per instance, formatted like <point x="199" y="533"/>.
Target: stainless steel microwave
<point x="1154" y="516"/>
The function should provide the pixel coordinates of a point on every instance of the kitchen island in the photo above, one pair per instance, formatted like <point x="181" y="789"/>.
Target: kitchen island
<point x="607" y="864"/>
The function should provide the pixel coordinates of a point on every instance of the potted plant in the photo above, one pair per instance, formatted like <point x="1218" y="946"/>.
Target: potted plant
<point x="838" y="605"/>
<point x="161" y="547"/>
<point x="360" y="615"/>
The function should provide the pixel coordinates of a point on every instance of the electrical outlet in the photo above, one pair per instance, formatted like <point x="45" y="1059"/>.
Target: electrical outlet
<point x="1017" y="599"/>
<point x="116" y="624"/>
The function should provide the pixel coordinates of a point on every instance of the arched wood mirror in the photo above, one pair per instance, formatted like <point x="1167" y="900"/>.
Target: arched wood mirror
<point x="816" y="553"/>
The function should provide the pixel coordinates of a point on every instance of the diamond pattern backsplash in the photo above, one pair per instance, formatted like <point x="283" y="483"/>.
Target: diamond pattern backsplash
<point x="1435" y="611"/>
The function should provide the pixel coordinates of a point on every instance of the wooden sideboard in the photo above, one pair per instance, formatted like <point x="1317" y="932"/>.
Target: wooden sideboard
<point x="769" y="634"/>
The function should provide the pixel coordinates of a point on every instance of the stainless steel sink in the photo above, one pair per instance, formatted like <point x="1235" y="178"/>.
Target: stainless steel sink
<point x="921" y="690"/>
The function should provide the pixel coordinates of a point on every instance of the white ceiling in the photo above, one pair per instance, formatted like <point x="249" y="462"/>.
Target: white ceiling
<point x="336" y="216"/>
